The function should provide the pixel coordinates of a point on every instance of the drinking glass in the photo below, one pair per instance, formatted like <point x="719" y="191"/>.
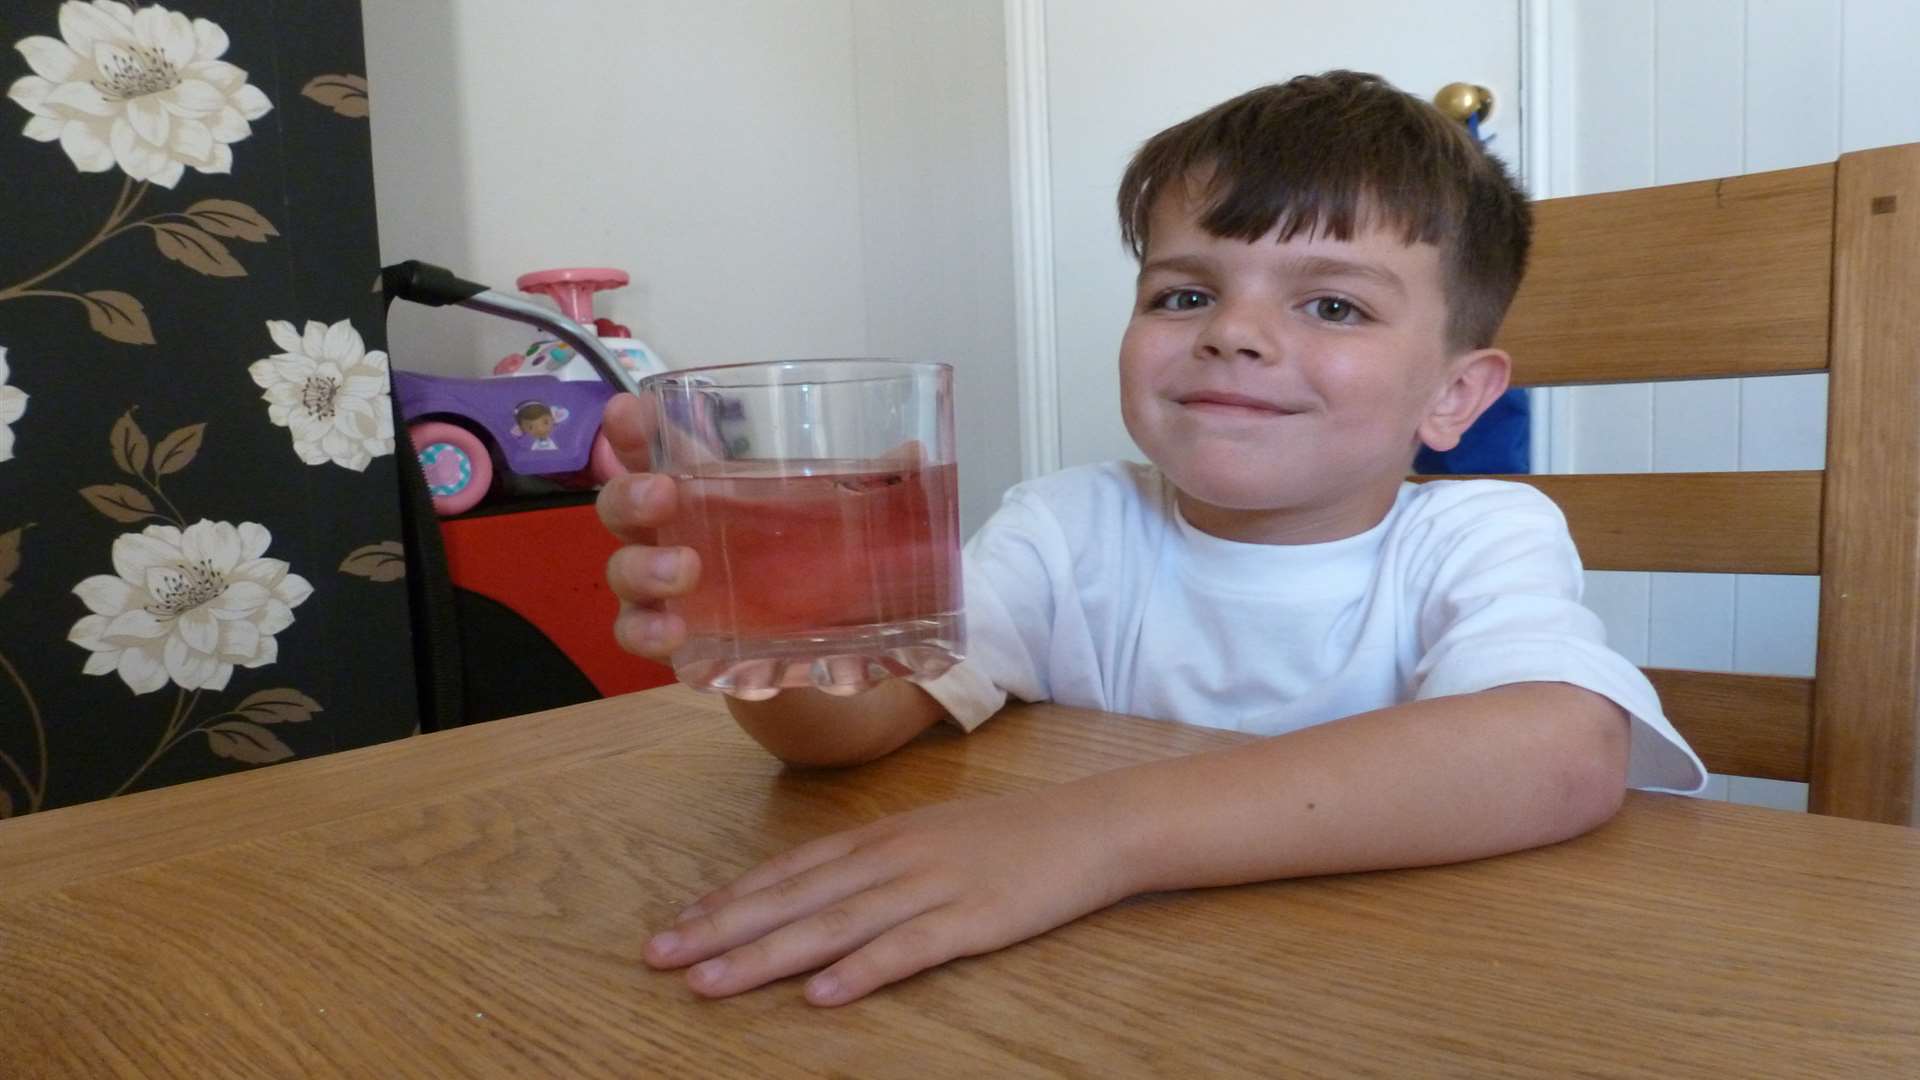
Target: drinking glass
<point x="821" y="498"/>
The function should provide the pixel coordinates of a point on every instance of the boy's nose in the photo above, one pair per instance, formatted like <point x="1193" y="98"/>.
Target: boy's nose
<point x="1234" y="332"/>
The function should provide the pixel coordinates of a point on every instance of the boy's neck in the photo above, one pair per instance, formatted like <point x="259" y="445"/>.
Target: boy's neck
<point x="1350" y="516"/>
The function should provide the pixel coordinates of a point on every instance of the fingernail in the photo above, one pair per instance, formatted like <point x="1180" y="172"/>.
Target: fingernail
<point x="691" y="911"/>
<point x="709" y="972"/>
<point x="643" y="488"/>
<point x="824" y="988"/>
<point x="664" y="565"/>
<point x="667" y="943"/>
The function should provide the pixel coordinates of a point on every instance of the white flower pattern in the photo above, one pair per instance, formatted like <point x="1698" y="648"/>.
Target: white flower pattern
<point x="187" y="606"/>
<point x="145" y="90"/>
<point x="13" y="405"/>
<point x="329" y="392"/>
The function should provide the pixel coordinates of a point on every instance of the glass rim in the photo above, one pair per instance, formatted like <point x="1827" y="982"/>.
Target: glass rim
<point x="850" y="369"/>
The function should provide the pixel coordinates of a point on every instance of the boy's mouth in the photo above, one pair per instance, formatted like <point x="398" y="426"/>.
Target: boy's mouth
<point x="1231" y="404"/>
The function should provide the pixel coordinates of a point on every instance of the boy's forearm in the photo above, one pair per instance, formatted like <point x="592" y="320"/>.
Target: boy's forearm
<point x="807" y="727"/>
<point x="1428" y="782"/>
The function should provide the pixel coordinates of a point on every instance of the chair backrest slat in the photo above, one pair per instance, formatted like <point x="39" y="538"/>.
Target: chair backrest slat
<point x="1719" y="277"/>
<point x="1747" y="725"/>
<point x="1706" y="523"/>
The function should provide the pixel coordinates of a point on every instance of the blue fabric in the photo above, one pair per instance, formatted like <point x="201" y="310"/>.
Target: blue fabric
<point x="1499" y="442"/>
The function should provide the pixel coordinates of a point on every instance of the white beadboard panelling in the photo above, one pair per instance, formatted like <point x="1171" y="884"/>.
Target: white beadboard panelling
<point x="1783" y="422"/>
<point x="1697" y="105"/>
<point x="1696" y="426"/>
<point x="1690" y="621"/>
<point x="1613" y="428"/>
<point x="1880" y="78"/>
<point x="1792" y="84"/>
<point x="1775" y="794"/>
<point x="1613" y="95"/>
<point x="1716" y="788"/>
<point x="1620" y="599"/>
<point x="1776" y="624"/>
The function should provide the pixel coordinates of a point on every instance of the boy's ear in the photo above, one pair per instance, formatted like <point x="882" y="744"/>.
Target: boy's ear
<point x="1475" y="381"/>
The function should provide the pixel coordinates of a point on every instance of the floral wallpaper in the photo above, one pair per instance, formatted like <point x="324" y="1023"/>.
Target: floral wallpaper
<point x="199" y="502"/>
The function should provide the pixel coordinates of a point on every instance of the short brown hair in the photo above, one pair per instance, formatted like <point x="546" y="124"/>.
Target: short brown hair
<point x="1330" y="154"/>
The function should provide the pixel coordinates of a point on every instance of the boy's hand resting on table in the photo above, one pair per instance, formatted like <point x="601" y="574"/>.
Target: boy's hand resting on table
<point x="898" y="896"/>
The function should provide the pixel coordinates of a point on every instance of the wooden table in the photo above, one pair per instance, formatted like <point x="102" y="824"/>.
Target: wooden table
<point x="473" y="903"/>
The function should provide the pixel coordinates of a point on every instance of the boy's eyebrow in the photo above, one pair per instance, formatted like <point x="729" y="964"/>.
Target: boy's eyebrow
<point x="1329" y="266"/>
<point x="1304" y="266"/>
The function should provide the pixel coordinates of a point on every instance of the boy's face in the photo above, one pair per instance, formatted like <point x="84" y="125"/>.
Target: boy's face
<point x="1283" y="387"/>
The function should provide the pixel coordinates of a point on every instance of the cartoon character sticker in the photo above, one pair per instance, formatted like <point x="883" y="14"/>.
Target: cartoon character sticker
<point x="536" y="420"/>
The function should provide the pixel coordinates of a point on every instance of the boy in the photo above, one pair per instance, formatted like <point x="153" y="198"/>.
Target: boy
<point x="1323" y="266"/>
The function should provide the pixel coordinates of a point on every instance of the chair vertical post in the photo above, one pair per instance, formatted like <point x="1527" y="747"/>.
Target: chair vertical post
<point x="1867" y="689"/>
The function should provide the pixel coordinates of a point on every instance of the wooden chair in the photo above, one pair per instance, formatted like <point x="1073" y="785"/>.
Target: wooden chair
<point x="1810" y="269"/>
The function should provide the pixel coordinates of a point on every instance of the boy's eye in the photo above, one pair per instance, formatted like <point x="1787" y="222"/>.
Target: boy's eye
<point x="1181" y="300"/>
<point x="1336" y="309"/>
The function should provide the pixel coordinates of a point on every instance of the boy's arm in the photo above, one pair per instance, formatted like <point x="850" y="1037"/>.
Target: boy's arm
<point x="1431" y="781"/>
<point x="1435" y="781"/>
<point x="808" y="727"/>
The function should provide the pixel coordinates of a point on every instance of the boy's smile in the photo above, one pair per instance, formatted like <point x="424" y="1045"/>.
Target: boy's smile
<point x="1283" y="387"/>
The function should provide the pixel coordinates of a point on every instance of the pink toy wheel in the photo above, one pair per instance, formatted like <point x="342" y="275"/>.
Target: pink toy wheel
<point x="456" y="464"/>
<point x="602" y="463"/>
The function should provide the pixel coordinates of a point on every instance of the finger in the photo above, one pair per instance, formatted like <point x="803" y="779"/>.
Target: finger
<point x="756" y="914"/>
<point x="629" y="423"/>
<point x="787" y="864"/>
<point x="645" y="632"/>
<point x="642" y="575"/>
<point x="632" y="505"/>
<point x="807" y="943"/>
<point x="906" y="949"/>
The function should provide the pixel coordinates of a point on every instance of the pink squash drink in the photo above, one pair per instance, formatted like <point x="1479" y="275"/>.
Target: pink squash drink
<point x="821" y="497"/>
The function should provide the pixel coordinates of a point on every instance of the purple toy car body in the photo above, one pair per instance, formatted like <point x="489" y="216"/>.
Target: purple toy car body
<point x="536" y="425"/>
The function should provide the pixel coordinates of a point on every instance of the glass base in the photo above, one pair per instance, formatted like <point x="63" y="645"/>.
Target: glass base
<point x="842" y="661"/>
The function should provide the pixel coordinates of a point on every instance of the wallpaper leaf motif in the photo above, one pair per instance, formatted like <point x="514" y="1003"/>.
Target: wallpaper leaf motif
<point x="277" y="706"/>
<point x="246" y="742"/>
<point x="344" y="94"/>
<point x="130" y="447"/>
<point x="9" y="557"/>
<point x="119" y="502"/>
<point x="115" y="316"/>
<point x="225" y="217"/>
<point x="177" y="449"/>
<point x="195" y="249"/>
<point x="384" y="561"/>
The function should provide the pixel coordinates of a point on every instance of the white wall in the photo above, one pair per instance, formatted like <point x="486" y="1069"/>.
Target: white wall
<point x="936" y="219"/>
<point x="780" y="177"/>
<point x="1665" y="91"/>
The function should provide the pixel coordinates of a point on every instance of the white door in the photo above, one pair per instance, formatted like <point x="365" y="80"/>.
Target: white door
<point x="1116" y="71"/>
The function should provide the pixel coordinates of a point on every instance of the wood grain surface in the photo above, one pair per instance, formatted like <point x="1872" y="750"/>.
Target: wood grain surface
<point x="1867" y="695"/>
<point x="1706" y="523"/>
<point x="1717" y="277"/>
<point x="473" y="903"/>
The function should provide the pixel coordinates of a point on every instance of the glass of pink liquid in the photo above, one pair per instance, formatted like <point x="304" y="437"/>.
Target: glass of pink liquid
<point x="821" y="497"/>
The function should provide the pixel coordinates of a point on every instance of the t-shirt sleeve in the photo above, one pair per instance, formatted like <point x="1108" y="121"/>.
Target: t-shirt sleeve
<point x="1009" y="572"/>
<point x="1501" y="605"/>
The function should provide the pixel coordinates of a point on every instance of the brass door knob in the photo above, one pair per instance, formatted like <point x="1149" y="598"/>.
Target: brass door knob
<point x="1465" y="101"/>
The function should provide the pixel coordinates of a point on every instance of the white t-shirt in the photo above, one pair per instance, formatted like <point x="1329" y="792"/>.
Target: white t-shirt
<point x="1088" y="588"/>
